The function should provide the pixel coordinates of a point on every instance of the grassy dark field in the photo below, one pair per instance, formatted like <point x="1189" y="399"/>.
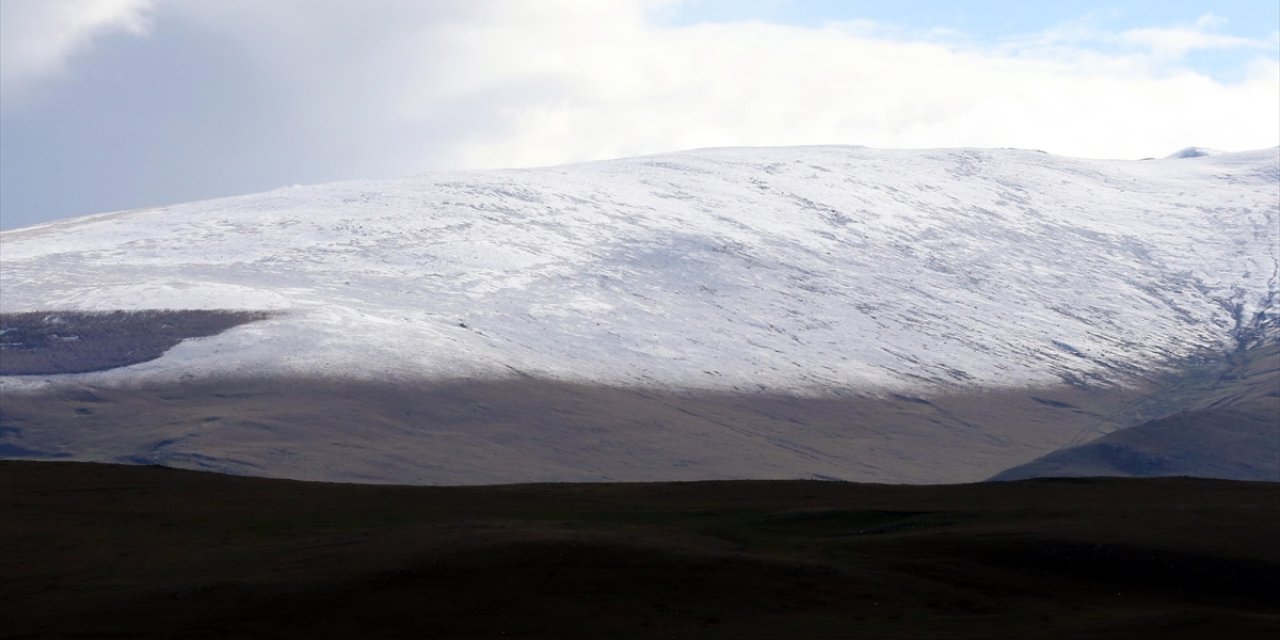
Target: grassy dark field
<point x="97" y="551"/>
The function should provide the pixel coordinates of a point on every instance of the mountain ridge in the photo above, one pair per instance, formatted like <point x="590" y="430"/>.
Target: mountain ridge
<point x="768" y="254"/>
<point x="835" y="311"/>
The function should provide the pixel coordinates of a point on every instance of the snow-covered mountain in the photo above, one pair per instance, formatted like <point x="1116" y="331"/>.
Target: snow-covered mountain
<point x="805" y="269"/>
<point x="809" y="271"/>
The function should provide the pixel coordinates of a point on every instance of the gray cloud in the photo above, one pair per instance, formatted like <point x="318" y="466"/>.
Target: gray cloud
<point x="38" y="38"/>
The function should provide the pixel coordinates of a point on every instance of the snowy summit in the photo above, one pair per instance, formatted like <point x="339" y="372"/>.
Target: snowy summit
<point x="808" y="269"/>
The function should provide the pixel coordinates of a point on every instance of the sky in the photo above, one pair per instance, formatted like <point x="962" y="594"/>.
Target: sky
<point x="117" y="104"/>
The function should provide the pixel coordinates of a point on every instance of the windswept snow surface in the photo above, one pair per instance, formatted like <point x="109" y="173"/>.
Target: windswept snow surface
<point x="804" y="270"/>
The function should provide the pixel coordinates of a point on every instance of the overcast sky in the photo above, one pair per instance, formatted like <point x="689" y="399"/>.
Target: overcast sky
<point x="116" y="104"/>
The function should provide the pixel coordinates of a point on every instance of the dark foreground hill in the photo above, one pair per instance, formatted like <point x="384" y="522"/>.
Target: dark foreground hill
<point x="1230" y="430"/>
<point x="144" y="552"/>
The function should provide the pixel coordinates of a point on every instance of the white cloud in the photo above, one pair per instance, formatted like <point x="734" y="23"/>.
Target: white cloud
<point x="1154" y="45"/>
<point x="1177" y="41"/>
<point x="37" y="37"/>
<point x="566" y="89"/>
<point x="405" y="85"/>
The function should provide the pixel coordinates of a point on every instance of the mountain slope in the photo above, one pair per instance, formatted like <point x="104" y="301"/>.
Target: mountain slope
<point x="1234" y="433"/>
<point x="809" y="268"/>
<point x="823" y="273"/>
